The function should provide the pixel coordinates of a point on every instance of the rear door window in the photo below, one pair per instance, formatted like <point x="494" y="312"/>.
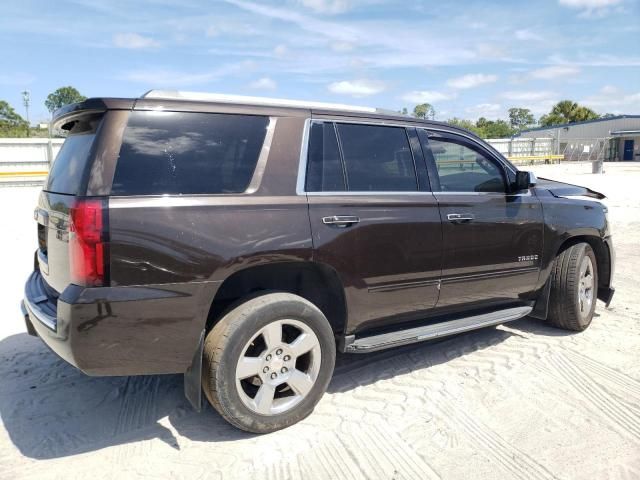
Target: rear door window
<point x="324" y="167"/>
<point x="377" y="158"/>
<point x="71" y="165"/>
<point x="188" y="153"/>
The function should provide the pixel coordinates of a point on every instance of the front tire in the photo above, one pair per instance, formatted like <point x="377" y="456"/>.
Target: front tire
<point x="267" y="362"/>
<point x="574" y="287"/>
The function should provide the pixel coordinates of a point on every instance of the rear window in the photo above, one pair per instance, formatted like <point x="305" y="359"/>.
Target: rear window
<point x="188" y="153"/>
<point x="71" y="164"/>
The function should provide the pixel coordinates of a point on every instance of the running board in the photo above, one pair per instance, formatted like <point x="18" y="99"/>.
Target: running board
<point x="436" y="330"/>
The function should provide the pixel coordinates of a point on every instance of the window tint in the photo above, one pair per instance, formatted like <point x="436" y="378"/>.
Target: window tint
<point x="71" y="163"/>
<point x="377" y="158"/>
<point x="324" y="167"/>
<point x="462" y="167"/>
<point x="188" y="153"/>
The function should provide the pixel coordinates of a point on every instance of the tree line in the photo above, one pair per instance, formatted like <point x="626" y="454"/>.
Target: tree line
<point x="565" y="111"/>
<point x="13" y="125"/>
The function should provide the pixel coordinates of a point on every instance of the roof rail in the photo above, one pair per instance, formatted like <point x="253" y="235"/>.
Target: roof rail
<point x="247" y="100"/>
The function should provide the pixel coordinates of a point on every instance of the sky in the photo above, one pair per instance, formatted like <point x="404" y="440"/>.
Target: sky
<point x="467" y="58"/>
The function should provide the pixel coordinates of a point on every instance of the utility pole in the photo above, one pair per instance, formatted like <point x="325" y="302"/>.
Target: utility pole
<point x="25" y="101"/>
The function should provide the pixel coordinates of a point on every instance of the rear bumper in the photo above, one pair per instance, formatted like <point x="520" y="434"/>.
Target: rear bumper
<point x="120" y="330"/>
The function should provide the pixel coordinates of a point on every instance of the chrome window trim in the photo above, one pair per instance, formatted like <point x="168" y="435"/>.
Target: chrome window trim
<point x="492" y="194"/>
<point x="376" y="193"/>
<point x="254" y="183"/>
<point x="261" y="164"/>
<point x="302" y="163"/>
<point x="304" y="149"/>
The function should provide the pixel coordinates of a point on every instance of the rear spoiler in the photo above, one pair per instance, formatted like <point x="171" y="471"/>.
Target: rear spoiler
<point x="67" y="114"/>
<point x="560" y="189"/>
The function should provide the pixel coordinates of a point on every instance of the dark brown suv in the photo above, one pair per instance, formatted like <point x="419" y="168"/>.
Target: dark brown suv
<point x="241" y="241"/>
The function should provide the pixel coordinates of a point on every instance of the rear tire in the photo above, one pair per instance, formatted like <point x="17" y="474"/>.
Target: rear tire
<point x="574" y="286"/>
<point x="267" y="362"/>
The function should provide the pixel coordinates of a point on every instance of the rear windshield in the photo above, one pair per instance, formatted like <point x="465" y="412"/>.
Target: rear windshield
<point x="70" y="166"/>
<point x="188" y="153"/>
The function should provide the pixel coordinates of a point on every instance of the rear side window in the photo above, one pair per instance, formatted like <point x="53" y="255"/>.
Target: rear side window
<point x="377" y="158"/>
<point x="324" y="166"/>
<point x="68" y="171"/>
<point x="188" y="153"/>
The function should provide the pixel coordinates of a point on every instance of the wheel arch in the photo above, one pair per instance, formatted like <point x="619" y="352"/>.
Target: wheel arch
<point x="602" y="253"/>
<point x="316" y="282"/>
<point x="603" y="263"/>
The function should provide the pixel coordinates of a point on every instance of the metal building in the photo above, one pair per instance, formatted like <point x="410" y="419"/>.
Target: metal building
<point x="611" y="139"/>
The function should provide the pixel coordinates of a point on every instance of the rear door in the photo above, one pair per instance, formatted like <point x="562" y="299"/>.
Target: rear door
<point x="374" y="219"/>
<point x="67" y="179"/>
<point x="492" y="238"/>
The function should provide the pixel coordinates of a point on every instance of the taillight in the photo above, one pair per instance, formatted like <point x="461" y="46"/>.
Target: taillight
<point x="87" y="242"/>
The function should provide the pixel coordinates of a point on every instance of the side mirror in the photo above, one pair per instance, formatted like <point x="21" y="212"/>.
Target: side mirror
<point x="524" y="180"/>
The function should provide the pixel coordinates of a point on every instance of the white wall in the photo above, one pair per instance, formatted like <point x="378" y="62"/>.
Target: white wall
<point x="28" y="154"/>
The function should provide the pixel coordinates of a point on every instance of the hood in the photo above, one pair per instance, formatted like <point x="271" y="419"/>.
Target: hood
<point x="560" y="189"/>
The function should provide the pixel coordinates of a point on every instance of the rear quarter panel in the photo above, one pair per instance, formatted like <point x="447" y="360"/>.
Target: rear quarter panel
<point x="178" y="250"/>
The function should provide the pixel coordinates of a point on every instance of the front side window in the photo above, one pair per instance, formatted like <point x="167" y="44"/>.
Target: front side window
<point x="188" y="153"/>
<point x="377" y="158"/>
<point x="463" y="167"/>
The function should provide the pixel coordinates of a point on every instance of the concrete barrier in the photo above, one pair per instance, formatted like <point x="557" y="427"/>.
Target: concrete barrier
<point x="27" y="160"/>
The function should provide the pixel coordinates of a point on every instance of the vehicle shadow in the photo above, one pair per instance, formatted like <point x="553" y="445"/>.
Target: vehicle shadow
<point x="52" y="410"/>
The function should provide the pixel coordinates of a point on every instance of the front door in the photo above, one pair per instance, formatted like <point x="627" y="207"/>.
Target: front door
<point x="628" y="150"/>
<point x="374" y="220"/>
<point x="492" y="240"/>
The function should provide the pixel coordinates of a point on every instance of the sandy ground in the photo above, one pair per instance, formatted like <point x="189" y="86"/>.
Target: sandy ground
<point x="519" y="401"/>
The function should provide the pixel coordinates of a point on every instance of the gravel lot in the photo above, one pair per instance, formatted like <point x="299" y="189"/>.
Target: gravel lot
<point x="518" y="401"/>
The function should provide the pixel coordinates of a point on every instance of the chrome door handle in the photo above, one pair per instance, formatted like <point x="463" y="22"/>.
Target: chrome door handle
<point x="460" y="217"/>
<point x="340" y="221"/>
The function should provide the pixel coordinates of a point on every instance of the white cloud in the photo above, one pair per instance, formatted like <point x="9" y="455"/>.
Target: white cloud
<point x="228" y="27"/>
<point x="487" y="110"/>
<point x="133" y="40"/>
<point x="427" y="96"/>
<point x="527" y="35"/>
<point x="590" y="8"/>
<point x="327" y="6"/>
<point x="555" y="71"/>
<point x="538" y="101"/>
<point x="471" y="80"/>
<point x="264" y="83"/>
<point x="589" y="4"/>
<point x="341" y="47"/>
<point x="20" y="79"/>
<point x="280" y="51"/>
<point x="175" y="78"/>
<point x="529" y="96"/>
<point x="357" y="88"/>
<point x="391" y="44"/>
<point x="492" y="50"/>
<point x="213" y="31"/>
<point x="612" y="99"/>
<point x="597" y="60"/>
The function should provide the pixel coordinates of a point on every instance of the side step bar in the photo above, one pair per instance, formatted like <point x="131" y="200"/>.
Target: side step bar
<point x="436" y="330"/>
